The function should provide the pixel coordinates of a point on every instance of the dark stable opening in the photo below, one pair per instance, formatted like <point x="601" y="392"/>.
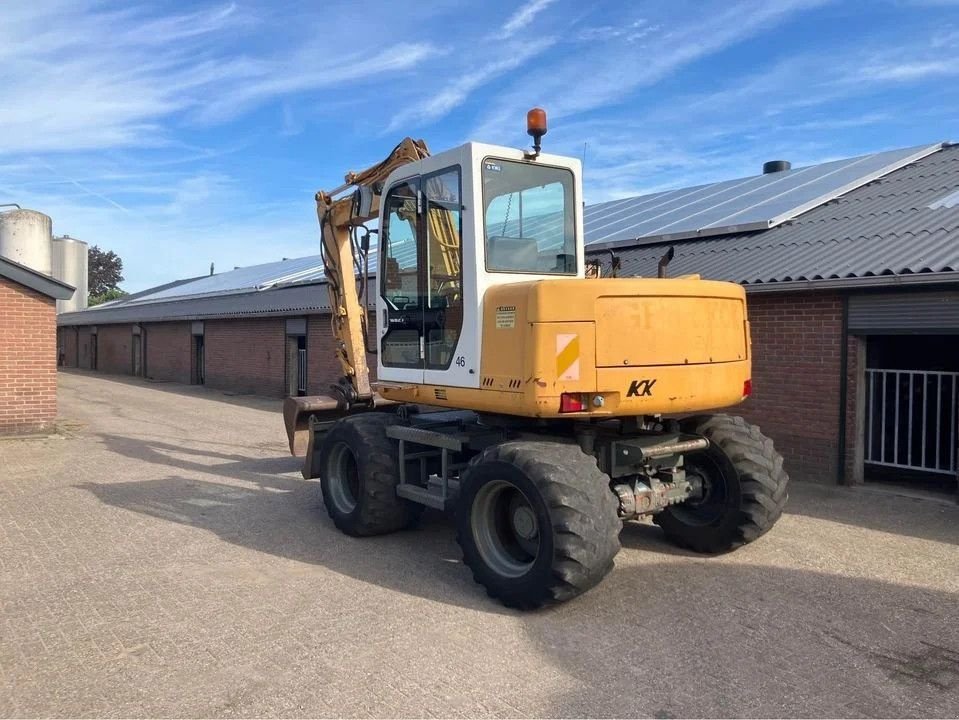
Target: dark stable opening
<point x="912" y="410"/>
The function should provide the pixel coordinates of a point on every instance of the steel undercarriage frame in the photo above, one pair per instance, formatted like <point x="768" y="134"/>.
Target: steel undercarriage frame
<point x="643" y="457"/>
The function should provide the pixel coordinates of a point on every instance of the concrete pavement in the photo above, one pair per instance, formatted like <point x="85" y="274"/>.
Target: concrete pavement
<point x="164" y="558"/>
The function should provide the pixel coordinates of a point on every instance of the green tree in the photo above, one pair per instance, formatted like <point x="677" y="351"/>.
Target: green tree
<point x="104" y="272"/>
<point x="114" y="294"/>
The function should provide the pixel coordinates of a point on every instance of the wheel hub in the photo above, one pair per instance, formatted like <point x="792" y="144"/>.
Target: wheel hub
<point x="524" y="522"/>
<point x="698" y="488"/>
<point x="505" y="528"/>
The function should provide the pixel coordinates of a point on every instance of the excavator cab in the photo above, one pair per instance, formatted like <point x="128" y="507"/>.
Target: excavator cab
<point x="451" y="226"/>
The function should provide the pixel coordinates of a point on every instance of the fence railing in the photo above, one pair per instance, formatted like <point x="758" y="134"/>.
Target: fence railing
<point x="301" y="370"/>
<point x="911" y="419"/>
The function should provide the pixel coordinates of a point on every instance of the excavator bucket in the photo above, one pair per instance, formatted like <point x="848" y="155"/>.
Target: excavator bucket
<point x="297" y="412"/>
<point x="296" y="416"/>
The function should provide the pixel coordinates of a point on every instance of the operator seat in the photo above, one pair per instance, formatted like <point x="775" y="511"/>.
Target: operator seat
<point x="508" y="253"/>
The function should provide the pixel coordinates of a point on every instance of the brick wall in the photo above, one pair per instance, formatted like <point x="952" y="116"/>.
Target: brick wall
<point x="796" y="379"/>
<point x="169" y="351"/>
<point x="323" y="369"/>
<point x="246" y="355"/>
<point x="114" y="353"/>
<point x="28" y="359"/>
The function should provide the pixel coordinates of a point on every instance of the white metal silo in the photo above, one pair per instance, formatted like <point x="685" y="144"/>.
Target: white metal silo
<point x="70" y="262"/>
<point x="26" y="237"/>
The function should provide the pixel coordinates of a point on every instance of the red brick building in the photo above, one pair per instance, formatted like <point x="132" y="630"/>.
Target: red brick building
<point x="28" y="349"/>
<point x="853" y="301"/>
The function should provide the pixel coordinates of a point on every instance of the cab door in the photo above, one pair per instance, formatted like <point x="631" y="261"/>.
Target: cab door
<point x="402" y="296"/>
<point x="420" y="304"/>
<point x="443" y="276"/>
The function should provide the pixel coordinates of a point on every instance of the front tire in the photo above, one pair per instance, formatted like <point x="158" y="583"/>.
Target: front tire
<point x="537" y="522"/>
<point x="743" y="487"/>
<point x="359" y="472"/>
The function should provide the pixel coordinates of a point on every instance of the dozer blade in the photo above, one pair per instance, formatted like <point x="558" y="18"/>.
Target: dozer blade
<point x="297" y="412"/>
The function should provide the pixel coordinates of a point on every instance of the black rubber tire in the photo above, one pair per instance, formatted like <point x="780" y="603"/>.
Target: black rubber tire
<point x="755" y="487"/>
<point x="576" y="514"/>
<point x="377" y="509"/>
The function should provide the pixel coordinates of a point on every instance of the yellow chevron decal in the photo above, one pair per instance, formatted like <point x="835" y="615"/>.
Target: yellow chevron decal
<point x="567" y="356"/>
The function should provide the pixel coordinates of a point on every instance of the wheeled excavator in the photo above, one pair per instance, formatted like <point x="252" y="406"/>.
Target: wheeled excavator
<point x="541" y="407"/>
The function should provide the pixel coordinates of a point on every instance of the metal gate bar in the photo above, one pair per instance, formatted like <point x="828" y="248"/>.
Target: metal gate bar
<point x="301" y="370"/>
<point x="891" y="421"/>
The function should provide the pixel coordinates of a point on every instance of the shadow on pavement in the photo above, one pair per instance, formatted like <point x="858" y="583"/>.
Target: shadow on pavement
<point x="266" y="472"/>
<point x="670" y="638"/>
<point x="723" y="639"/>
<point x="284" y="517"/>
<point x="250" y="400"/>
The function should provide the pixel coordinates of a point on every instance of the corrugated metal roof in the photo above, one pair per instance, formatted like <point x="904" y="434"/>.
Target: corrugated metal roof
<point x="888" y="227"/>
<point x="288" y="300"/>
<point x="255" y="277"/>
<point x="753" y="203"/>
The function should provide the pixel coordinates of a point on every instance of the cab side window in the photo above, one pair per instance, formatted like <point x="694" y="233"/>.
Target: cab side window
<point x="444" y="315"/>
<point x="400" y="283"/>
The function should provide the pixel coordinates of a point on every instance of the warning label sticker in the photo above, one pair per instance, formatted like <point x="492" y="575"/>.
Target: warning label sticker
<point x="505" y="317"/>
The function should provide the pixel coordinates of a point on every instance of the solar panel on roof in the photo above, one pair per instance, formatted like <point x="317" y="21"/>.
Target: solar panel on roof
<point x="244" y="279"/>
<point x="754" y="203"/>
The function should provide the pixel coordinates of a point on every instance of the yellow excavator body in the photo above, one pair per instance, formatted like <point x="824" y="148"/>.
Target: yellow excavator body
<point x="603" y="348"/>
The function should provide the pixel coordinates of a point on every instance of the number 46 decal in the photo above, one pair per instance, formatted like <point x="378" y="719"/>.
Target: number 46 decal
<point x="461" y="361"/>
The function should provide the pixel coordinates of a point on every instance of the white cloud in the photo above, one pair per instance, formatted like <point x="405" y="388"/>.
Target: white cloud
<point x="455" y="93"/>
<point x="523" y="17"/>
<point x="631" y="32"/>
<point x="910" y="71"/>
<point x="276" y="80"/>
<point x="608" y="72"/>
<point x="80" y="75"/>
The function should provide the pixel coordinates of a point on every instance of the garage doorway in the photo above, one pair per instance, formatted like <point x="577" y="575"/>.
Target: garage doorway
<point x="137" y="347"/>
<point x="912" y="410"/>
<point x="907" y="408"/>
<point x="296" y="357"/>
<point x="197" y="353"/>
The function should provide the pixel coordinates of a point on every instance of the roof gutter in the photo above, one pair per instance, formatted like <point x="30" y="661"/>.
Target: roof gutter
<point x="883" y="281"/>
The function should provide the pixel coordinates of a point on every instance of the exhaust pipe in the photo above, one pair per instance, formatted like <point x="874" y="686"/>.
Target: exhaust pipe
<point x="664" y="261"/>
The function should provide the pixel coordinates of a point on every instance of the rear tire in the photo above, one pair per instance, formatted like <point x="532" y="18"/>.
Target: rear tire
<point x="359" y="472"/>
<point x="746" y="487"/>
<point x="537" y="522"/>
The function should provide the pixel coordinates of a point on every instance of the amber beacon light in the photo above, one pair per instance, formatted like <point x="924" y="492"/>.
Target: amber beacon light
<point x="536" y="127"/>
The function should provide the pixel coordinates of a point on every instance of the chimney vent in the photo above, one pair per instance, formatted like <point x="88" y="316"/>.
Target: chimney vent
<point x="775" y="166"/>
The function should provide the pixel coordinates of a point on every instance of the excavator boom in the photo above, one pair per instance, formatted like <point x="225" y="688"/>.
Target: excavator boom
<point x="341" y="216"/>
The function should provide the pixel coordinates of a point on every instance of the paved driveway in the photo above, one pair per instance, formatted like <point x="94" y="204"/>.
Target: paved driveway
<point x="166" y="559"/>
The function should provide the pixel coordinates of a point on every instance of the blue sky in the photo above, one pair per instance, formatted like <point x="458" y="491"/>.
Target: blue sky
<point x="179" y="134"/>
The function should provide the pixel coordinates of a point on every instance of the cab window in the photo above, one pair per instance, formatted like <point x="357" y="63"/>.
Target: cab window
<point x="528" y="218"/>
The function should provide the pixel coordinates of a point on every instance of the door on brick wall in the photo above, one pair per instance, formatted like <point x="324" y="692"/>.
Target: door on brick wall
<point x="137" y="350"/>
<point x="296" y="365"/>
<point x="93" y="351"/>
<point x="199" y="360"/>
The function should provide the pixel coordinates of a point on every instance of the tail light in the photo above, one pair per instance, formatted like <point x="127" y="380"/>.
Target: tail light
<point x="747" y="388"/>
<point x="572" y="402"/>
